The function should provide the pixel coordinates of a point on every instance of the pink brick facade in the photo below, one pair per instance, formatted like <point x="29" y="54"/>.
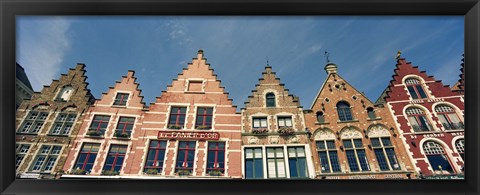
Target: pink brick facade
<point x="430" y="124"/>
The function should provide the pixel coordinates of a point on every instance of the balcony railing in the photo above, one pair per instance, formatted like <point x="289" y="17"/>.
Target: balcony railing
<point x="422" y="128"/>
<point x="453" y="126"/>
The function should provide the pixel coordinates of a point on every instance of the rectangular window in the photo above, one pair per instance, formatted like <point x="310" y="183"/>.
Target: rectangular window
<point x="216" y="158"/>
<point x="357" y="159"/>
<point x="63" y="124"/>
<point x="99" y="125"/>
<point x="385" y="153"/>
<point x="328" y="156"/>
<point x="204" y="118"/>
<point x="33" y="122"/>
<point x="285" y="121"/>
<point x="177" y="118"/>
<point x="297" y="162"/>
<point x="21" y="151"/>
<point x="155" y="157"/>
<point x="46" y="158"/>
<point x="121" y="99"/>
<point x="260" y="122"/>
<point x="86" y="157"/>
<point x="115" y="158"/>
<point x="195" y="86"/>
<point x="124" y="127"/>
<point x="253" y="163"/>
<point x="185" y="157"/>
<point x="276" y="163"/>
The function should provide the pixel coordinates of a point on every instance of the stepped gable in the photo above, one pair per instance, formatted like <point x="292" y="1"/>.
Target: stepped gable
<point x="76" y="78"/>
<point x="459" y="87"/>
<point x="404" y="68"/>
<point x="127" y="84"/>
<point x="269" y="82"/>
<point x="197" y="78"/>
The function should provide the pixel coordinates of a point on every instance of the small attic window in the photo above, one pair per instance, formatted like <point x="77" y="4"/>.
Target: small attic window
<point x="121" y="99"/>
<point x="65" y="93"/>
<point x="270" y="100"/>
<point x="195" y="86"/>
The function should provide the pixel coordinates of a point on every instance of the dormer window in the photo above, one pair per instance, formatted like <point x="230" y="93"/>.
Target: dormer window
<point x="415" y="88"/>
<point x="344" y="111"/>
<point x="320" y="117"/>
<point x="65" y="93"/>
<point x="121" y="99"/>
<point x="270" y="100"/>
<point x="371" y="113"/>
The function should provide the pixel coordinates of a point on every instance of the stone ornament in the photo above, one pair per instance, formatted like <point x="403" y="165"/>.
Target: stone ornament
<point x="252" y="140"/>
<point x="324" y="134"/>
<point x="378" y="131"/>
<point x="350" y="133"/>
<point x="294" y="140"/>
<point x="274" y="140"/>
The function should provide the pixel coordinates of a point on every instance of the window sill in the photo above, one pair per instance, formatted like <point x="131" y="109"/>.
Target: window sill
<point x="119" y="106"/>
<point x="322" y="123"/>
<point x="426" y="132"/>
<point x="95" y="136"/>
<point x="56" y="135"/>
<point x="374" y="119"/>
<point x="350" y="121"/>
<point x="363" y="173"/>
<point x="454" y="130"/>
<point x="194" y="92"/>
<point x="26" y="133"/>
<point x="122" y="138"/>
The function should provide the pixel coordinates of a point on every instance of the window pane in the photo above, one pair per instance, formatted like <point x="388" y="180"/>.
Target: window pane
<point x="420" y="90"/>
<point x="325" y="167"/>
<point x="382" y="161"/>
<point x="412" y="92"/>
<point x="334" y="161"/>
<point x="363" y="160"/>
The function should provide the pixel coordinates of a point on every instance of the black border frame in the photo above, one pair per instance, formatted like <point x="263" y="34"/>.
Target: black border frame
<point x="10" y="8"/>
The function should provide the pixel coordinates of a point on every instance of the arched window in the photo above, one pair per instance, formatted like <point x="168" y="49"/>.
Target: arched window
<point x="418" y="120"/>
<point x="383" y="148"/>
<point x="448" y="117"/>
<point x="354" y="150"/>
<point x="270" y="98"/>
<point x="344" y="111"/>
<point x="327" y="153"/>
<point x="371" y="113"/>
<point x="320" y="117"/>
<point x="415" y="88"/>
<point x="65" y="93"/>
<point x="437" y="157"/>
<point x="460" y="146"/>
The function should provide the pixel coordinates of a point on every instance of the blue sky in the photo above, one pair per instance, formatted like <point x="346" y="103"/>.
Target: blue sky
<point x="158" y="47"/>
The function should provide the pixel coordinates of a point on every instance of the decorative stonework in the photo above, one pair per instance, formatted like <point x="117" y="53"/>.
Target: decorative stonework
<point x="42" y="107"/>
<point x="378" y="131"/>
<point x="252" y="140"/>
<point x="71" y="109"/>
<point x="324" y="134"/>
<point x="294" y="140"/>
<point x="350" y="133"/>
<point x="274" y="140"/>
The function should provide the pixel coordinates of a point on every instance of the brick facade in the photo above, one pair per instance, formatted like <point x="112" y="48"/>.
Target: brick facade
<point x="427" y="135"/>
<point x="328" y="127"/>
<point x="47" y="124"/>
<point x="282" y="113"/>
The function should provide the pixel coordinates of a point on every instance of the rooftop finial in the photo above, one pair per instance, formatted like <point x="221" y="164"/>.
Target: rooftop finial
<point x="267" y="62"/>
<point x="327" y="56"/>
<point x="399" y="53"/>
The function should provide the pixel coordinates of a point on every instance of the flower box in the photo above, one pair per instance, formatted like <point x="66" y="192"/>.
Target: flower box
<point x="215" y="173"/>
<point x="122" y="135"/>
<point x="183" y="172"/>
<point x="93" y="133"/>
<point x="174" y="127"/>
<point x="78" y="171"/>
<point x="203" y="127"/>
<point x="151" y="171"/>
<point x="260" y="131"/>
<point x="109" y="172"/>
<point x="286" y="131"/>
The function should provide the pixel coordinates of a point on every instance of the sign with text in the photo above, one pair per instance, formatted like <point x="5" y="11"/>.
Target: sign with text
<point x="188" y="135"/>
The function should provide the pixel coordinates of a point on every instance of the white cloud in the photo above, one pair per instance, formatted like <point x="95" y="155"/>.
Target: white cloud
<point x="41" y="46"/>
<point x="178" y="32"/>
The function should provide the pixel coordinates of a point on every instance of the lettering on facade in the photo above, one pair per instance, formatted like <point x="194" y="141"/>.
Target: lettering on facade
<point x="362" y="177"/>
<point x="394" y="176"/>
<point x="458" y="134"/>
<point x="434" y="135"/>
<point x="188" y="135"/>
<point x="435" y="100"/>
<point x="416" y="101"/>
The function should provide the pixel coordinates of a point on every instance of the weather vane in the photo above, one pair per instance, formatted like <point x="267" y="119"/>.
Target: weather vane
<point x="267" y="62"/>
<point x="327" y="56"/>
<point x="398" y="54"/>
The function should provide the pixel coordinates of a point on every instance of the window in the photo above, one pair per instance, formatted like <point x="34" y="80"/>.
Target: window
<point x="260" y="122"/>
<point x="437" y="157"/>
<point x="383" y="148"/>
<point x="34" y="122"/>
<point x="99" y="125"/>
<point x="344" y="111"/>
<point x="253" y="163"/>
<point x="327" y="153"/>
<point x="65" y="93"/>
<point x="156" y="156"/>
<point x="415" y="88"/>
<point x="124" y="127"/>
<point x="270" y="100"/>
<point x="371" y="113"/>
<point x="195" y="86"/>
<point x="204" y="118"/>
<point x="448" y="117"/>
<point x="63" y="124"/>
<point x="356" y="155"/>
<point x="297" y="162"/>
<point x="320" y="117"/>
<point x="115" y="158"/>
<point x="185" y="156"/>
<point x="276" y="163"/>
<point x="121" y="99"/>
<point x="46" y="158"/>
<point x="284" y="121"/>
<point x="21" y="151"/>
<point x="177" y="118"/>
<point x="460" y="146"/>
<point x="86" y="157"/>
<point x="216" y="158"/>
<point x="418" y="120"/>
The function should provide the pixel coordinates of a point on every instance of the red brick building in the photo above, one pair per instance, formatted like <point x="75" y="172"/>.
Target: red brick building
<point x="430" y="118"/>
<point x="48" y="123"/>
<point x="104" y="143"/>
<point x="353" y="138"/>
<point x="275" y="140"/>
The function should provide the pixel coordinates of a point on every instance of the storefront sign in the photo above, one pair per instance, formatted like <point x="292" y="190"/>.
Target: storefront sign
<point x="395" y="176"/>
<point x="434" y="135"/>
<point x="445" y="177"/>
<point x="30" y="176"/>
<point x="188" y="135"/>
